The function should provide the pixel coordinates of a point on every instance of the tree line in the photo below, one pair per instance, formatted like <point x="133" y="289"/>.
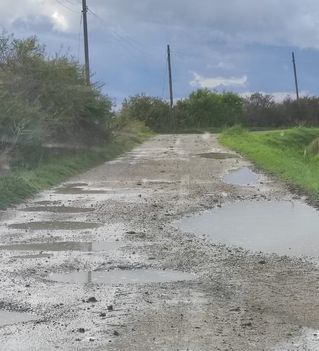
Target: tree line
<point x="205" y="109"/>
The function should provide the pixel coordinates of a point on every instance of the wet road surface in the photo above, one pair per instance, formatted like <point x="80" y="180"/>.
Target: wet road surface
<point x="99" y="263"/>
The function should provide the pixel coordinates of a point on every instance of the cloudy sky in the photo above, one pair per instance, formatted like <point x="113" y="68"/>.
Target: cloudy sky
<point x="238" y="45"/>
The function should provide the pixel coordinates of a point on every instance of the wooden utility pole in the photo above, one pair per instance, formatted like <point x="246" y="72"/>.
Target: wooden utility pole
<point x="170" y="75"/>
<point x="295" y="73"/>
<point x="86" y="42"/>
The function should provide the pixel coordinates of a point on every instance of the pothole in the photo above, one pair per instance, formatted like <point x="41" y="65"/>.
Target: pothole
<point x="137" y="276"/>
<point x="78" y="191"/>
<point x="64" y="246"/>
<point x="241" y="176"/>
<point x="30" y="257"/>
<point x="218" y="155"/>
<point x="8" y="318"/>
<point x="282" y="227"/>
<point x="55" y="225"/>
<point x="58" y="209"/>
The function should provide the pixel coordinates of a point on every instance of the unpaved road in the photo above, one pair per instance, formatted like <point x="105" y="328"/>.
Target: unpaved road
<point x="234" y="300"/>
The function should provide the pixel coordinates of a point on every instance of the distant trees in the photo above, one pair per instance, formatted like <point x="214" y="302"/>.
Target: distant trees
<point x="204" y="109"/>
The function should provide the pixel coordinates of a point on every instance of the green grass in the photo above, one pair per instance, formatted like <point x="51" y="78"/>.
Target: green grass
<point x="22" y="184"/>
<point x="280" y="153"/>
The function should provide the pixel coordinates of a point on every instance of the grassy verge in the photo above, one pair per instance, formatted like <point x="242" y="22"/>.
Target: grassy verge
<point x="21" y="184"/>
<point x="280" y="153"/>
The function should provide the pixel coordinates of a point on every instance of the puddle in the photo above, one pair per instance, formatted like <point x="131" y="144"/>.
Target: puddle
<point x="55" y="225"/>
<point x="308" y="340"/>
<point x="64" y="246"/>
<point x="218" y="155"/>
<point x="241" y="176"/>
<point x="282" y="227"/>
<point x="73" y="185"/>
<point x="29" y="257"/>
<point x="58" y="209"/>
<point x="138" y="276"/>
<point x="7" y="318"/>
<point x="47" y="203"/>
<point x="77" y="190"/>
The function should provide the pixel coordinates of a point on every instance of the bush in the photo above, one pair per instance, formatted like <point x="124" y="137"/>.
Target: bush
<point x="154" y="112"/>
<point x="206" y="109"/>
<point x="46" y="99"/>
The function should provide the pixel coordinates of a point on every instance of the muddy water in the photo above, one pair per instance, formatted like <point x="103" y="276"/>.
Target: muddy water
<point x="241" y="176"/>
<point x="78" y="191"/>
<point x="218" y="155"/>
<point x="138" y="276"/>
<point x="58" y="209"/>
<point x="8" y="318"/>
<point x="64" y="246"/>
<point x="282" y="227"/>
<point x="55" y="225"/>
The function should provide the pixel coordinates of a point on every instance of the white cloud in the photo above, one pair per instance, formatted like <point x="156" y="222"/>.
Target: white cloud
<point x="212" y="83"/>
<point x="60" y="23"/>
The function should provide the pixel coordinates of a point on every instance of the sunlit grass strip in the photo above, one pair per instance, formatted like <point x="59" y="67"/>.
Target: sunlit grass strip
<point x="281" y="153"/>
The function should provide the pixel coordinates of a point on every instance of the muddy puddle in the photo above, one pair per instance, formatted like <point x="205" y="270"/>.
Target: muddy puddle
<point x="70" y="190"/>
<point x="8" y="318"/>
<point x="97" y="246"/>
<point x="30" y="257"/>
<point x="282" y="227"/>
<point x="54" y="225"/>
<point x="138" y="276"/>
<point x="241" y="176"/>
<point x="218" y="155"/>
<point x="58" y="209"/>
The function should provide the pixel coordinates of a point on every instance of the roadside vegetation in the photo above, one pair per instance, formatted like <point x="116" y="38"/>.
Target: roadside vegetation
<point x="52" y="125"/>
<point x="291" y="154"/>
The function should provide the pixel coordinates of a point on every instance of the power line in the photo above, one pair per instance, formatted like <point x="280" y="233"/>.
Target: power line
<point x="67" y="7"/>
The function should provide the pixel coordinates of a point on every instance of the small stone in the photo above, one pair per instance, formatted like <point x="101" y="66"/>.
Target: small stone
<point x="102" y="314"/>
<point x="110" y="308"/>
<point x="116" y="333"/>
<point x="92" y="300"/>
<point x="262" y="262"/>
<point x="131" y="232"/>
<point x="81" y="330"/>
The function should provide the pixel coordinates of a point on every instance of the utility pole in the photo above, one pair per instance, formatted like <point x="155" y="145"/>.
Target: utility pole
<point x="295" y="73"/>
<point x="86" y="42"/>
<point x="170" y="76"/>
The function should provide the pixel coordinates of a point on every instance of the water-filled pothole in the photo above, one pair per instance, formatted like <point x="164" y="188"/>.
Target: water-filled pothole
<point x="30" y="257"/>
<point x="241" y="176"/>
<point x="282" y="227"/>
<point x="69" y="190"/>
<point x="218" y="155"/>
<point x="58" y="209"/>
<point x="137" y="276"/>
<point x="8" y="318"/>
<point x="96" y="246"/>
<point x="54" y="225"/>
